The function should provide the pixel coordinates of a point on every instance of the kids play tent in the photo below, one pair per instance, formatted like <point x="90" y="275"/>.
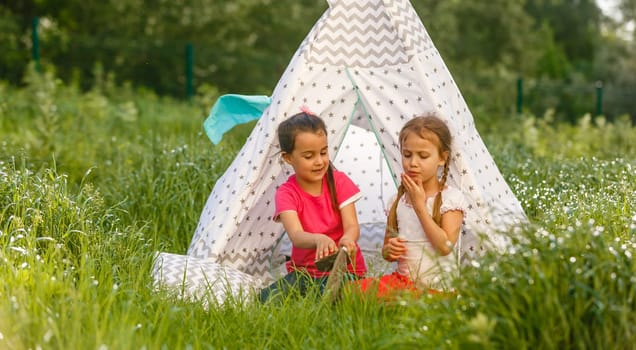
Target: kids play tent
<point x="366" y="67"/>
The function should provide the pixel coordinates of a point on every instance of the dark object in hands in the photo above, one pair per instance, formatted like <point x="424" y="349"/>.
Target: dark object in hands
<point x="326" y="263"/>
<point x="336" y="275"/>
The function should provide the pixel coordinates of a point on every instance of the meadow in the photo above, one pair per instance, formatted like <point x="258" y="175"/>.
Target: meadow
<point x="93" y="183"/>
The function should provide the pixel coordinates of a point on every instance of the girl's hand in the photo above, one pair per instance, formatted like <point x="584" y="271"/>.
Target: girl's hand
<point x="350" y="244"/>
<point x="393" y="249"/>
<point x="324" y="246"/>
<point x="414" y="190"/>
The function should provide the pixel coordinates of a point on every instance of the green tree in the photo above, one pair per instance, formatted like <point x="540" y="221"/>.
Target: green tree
<point x="486" y="45"/>
<point x="242" y="46"/>
<point x="628" y="10"/>
<point x="235" y="43"/>
<point x="576" y="26"/>
<point x="13" y="53"/>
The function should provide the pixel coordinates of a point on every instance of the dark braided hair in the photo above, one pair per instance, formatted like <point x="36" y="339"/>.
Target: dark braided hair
<point x="306" y="122"/>
<point x="435" y="130"/>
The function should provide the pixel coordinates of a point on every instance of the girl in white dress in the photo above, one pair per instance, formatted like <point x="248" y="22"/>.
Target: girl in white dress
<point x="425" y="219"/>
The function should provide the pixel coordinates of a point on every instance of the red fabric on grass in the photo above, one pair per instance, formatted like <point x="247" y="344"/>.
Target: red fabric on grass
<point x="388" y="286"/>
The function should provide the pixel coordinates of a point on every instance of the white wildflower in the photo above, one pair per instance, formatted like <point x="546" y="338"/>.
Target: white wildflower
<point x="47" y="336"/>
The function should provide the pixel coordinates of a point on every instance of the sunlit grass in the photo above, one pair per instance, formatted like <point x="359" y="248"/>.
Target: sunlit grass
<point x="91" y="188"/>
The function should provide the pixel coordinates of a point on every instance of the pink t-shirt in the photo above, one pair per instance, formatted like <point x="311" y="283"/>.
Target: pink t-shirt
<point x="316" y="214"/>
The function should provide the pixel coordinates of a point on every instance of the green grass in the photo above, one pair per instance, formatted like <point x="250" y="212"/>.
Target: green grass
<point x="92" y="184"/>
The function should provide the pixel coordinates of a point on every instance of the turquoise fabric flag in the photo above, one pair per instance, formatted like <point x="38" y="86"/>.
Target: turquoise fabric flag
<point x="231" y="110"/>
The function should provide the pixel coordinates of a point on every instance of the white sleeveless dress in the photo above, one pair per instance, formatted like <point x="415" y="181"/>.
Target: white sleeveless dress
<point x="421" y="263"/>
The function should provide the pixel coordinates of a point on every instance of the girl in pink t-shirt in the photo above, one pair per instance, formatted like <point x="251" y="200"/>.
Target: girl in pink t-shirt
<point x="316" y="207"/>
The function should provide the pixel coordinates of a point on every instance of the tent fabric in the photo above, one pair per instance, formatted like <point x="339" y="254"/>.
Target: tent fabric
<point x="202" y="279"/>
<point x="231" y="110"/>
<point x="366" y="67"/>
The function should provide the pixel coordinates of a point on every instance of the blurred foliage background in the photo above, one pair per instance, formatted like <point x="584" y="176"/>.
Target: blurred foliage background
<point x="103" y="162"/>
<point x="560" y="48"/>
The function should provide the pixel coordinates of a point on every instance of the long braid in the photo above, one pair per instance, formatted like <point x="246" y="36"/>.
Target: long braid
<point x="392" y="225"/>
<point x="437" y="216"/>
<point x="331" y="185"/>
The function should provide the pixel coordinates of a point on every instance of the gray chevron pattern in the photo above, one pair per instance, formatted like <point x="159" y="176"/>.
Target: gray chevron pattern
<point x="259" y="265"/>
<point x="356" y="34"/>
<point x="201" y="279"/>
<point x="409" y="26"/>
<point x="367" y="34"/>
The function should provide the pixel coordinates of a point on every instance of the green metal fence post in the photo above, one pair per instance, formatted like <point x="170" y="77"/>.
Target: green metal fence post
<point x="188" y="71"/>
<point x="599" y="98"/>
<point x="35" y="39"/>
<point x="519" y="95"/>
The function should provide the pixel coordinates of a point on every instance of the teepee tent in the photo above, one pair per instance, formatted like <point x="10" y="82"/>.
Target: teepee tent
<point x="366" y="67"/>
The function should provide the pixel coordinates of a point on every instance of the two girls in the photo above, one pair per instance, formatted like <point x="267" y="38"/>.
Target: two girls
<point x="316" y="207"/>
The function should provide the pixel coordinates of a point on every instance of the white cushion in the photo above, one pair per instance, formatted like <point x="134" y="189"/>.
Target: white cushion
<point x="202" y="279"/>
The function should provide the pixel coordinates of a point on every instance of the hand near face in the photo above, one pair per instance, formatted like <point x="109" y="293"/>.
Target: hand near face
<point x="414" y="190"/>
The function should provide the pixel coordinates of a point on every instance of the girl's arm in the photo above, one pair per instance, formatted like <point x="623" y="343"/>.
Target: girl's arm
<point x="393" y="247"/>
<point x="351" y="228"/>
<point x="301" y="239"/>
<point x="444" y="236"/>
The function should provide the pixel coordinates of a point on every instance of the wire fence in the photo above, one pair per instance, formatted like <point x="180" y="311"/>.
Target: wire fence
<point x="175" y="66"/>
<point x="574" y="99"/>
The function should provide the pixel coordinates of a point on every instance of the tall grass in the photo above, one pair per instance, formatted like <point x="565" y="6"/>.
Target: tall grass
<point x="93" y="183"/>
